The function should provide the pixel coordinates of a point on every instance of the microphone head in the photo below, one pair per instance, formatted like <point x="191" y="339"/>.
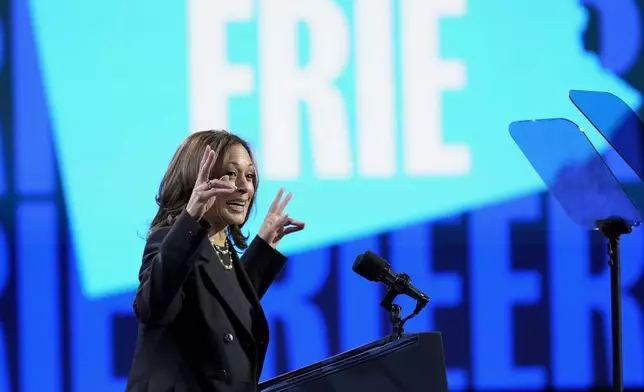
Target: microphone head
<point x="370" y="266"/>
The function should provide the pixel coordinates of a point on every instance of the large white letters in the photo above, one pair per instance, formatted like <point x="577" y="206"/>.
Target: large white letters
<point x="212" y="79"/>
<point x="304" y="47"/>
<point x="284" y="84"/>
<point x="375" y="119"/>
<point x="425" y="76"/>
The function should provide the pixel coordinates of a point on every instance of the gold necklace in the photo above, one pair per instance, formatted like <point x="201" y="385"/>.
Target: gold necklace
<point x="222" y="251"/>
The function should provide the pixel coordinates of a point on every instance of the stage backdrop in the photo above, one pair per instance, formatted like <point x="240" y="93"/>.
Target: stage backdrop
<point x="387" y="119"/>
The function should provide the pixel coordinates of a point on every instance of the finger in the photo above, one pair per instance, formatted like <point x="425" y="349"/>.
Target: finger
<point x="210" y="193"/>
<point x="203" y="170"/>
<point x="284" y="202"/>
<point x="204" y="173"/>
<point x="296" y="223"/>
<point x="275" y="203"/>
<point x="204" y="156"/>
<point x="280" y="234"/>
<point x="293" y="229"/>
<point x="282" y="222"/>
<point x="214" y="184"/>
<point x="226" y="179"/>
<point x="211" y="163"/>
<point x="219" y="184"/>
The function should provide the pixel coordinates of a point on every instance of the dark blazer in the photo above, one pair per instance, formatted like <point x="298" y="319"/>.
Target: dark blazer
<point x="192" y="334"/>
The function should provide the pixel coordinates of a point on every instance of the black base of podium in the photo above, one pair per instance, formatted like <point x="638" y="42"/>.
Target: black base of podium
<point x="413" y="363"/>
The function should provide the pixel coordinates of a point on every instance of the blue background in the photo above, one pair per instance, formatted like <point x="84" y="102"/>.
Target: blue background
<point x="519" y="292"/>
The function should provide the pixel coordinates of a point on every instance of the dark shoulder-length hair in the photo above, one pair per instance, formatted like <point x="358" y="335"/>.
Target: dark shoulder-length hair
<point x="179" y="180"/>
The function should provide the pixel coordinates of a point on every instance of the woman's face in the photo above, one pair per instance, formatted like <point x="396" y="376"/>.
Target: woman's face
<point x="232" y="209"/>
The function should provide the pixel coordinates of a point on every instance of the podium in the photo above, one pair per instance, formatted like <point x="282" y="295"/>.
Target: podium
<point x="411" y="363"/>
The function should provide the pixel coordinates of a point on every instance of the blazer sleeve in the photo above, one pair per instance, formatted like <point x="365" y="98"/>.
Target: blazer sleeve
<point x="262" y="263"/>
<point x="169" y="257"/>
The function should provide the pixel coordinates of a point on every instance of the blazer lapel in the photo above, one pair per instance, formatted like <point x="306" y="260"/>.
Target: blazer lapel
<point x="222" y="282"/>
<point x="247" y="288"/>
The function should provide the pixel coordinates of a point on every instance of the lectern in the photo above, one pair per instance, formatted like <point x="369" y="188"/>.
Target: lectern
<point x="410" y="363"/>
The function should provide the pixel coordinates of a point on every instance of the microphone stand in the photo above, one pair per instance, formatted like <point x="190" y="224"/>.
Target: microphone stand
<point x="393" y="290"/>
<point x="394" y="311"/>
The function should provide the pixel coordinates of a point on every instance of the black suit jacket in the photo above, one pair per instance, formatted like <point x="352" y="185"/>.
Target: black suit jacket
<point x="192" y="336"/>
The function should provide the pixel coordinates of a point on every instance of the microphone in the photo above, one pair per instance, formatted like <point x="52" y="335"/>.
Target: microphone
<point x="376" y="269"/>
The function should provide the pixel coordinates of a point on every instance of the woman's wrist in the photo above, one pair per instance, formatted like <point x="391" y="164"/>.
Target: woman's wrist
<point x="193" y="214"/>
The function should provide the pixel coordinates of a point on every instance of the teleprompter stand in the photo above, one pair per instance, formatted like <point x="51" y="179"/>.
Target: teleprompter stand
<point x="613" y="229"/>
<point x="587" y="190"/>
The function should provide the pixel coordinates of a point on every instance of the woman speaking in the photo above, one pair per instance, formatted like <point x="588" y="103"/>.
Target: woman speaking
<point x="201" y="325"/>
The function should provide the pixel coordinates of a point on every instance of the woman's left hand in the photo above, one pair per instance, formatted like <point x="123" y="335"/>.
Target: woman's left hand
<point x="277" y="224"/>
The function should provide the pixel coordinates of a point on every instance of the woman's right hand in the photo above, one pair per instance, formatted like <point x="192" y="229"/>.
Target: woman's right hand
<point x="206" y="190"/>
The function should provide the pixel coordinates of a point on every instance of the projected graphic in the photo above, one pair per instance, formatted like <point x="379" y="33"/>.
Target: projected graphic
<point x="382" y="116"/>
<point x="399" y="98"/>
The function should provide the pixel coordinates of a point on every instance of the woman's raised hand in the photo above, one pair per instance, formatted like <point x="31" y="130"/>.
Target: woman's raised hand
<point x="277" y="223"/>
<point x="206" y="190"/>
